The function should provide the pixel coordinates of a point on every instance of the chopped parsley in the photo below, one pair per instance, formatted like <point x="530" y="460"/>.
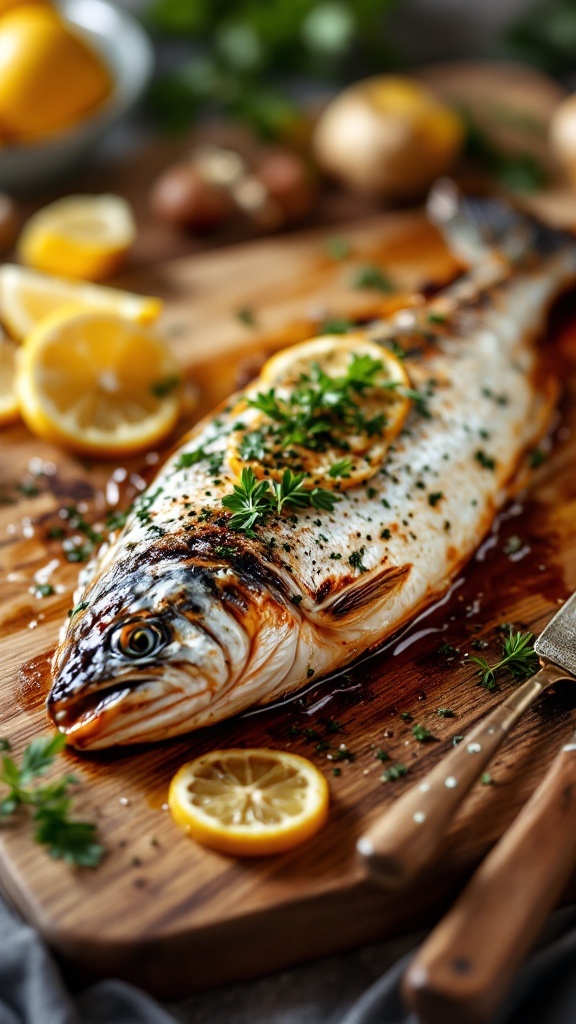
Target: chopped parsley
<point x="341" y="468"/>
<point x="246" y="316"/>
<point x="486" y="461"/>
<point x="162" y="388"/>
<point x="374" y="278"/>
<point x="394" y="772"/>
<point x="355" y="560"/>
<point x="422" y="734"/>
<point x="337" y="248"/>
<point x="445" y="712"/>
<point x="435" y="497"/>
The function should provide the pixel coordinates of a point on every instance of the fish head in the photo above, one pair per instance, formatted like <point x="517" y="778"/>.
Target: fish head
<point x="151" y="651"/>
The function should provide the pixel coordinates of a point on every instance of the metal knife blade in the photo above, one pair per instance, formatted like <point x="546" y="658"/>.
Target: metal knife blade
<point x="557" y="641"/>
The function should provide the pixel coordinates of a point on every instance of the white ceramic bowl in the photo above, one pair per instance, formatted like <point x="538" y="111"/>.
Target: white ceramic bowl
<point x="127" y="51"/>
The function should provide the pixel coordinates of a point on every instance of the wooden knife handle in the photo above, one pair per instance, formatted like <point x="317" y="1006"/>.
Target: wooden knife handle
<point x="405" y="838"/>
<point x="463" y="971"/>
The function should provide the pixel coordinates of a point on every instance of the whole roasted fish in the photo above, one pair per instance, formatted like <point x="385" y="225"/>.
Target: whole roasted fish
<point x="253" y="564"/>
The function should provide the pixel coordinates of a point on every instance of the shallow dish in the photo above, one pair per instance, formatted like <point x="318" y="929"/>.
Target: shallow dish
<point x="127" y="51"/>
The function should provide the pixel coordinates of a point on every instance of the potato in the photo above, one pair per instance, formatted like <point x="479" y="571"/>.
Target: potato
<point x="387" y="136"/>
<point x="182" y="196"/>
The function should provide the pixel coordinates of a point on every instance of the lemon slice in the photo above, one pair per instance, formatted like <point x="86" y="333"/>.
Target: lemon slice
<point x="249" y="803"/>
<point x="96" y="383"/>
<point x="357" y="433"/>
<point x="9" y="406"/>
<point x="26" y="296"/>
<point x="78" y="236"/>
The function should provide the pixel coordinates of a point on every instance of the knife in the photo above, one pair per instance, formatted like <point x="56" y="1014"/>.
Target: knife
<point x="465" y="967"/>
<point x="399" y="844"/>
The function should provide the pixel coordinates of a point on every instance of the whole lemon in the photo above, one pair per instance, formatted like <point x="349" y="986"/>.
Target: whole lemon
<point x="49" y="76"/>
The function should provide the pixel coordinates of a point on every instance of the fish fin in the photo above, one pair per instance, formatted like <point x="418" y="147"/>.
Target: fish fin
<point x="372" y="590"/>
<point x="475" y="226"/>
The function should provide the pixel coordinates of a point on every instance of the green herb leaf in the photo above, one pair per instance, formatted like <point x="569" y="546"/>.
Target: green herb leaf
<point x="422" y="734"/>
<point x="519" y="658"/>
<point x="65" y="838"/>
<point x="374" y="278"/>
<point x="394" y="772"/>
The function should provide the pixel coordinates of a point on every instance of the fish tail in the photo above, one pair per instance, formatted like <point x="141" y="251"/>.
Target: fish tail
<point x="475" y="226"/>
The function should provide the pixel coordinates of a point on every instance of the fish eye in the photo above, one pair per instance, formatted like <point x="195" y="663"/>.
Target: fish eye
<point x="138" y="639"/>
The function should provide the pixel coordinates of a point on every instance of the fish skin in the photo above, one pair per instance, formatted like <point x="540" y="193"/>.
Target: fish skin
<point x="243" y="623"/>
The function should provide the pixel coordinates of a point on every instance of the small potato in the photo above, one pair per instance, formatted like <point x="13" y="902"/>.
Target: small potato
<point x="387" y="136"/>
<point x="288" y="181"/>
<point x="183" y="197"/>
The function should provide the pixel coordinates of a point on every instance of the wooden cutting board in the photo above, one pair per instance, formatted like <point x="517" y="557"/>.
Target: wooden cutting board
<point x="162" y="911"/>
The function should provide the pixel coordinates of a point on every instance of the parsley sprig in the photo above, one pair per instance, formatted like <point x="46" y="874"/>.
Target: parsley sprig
<point x="321" y="409"/>
<point x="519" y="658"/>
<point x="252" y="501"/>
<point x="67" y="839"/>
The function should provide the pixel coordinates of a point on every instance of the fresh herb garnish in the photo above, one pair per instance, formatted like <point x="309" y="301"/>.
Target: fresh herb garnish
<point x="422" y="734"/>
<point x="341" y="468"/>
<point x="519" y="658"/>
<point x="394" y="772"/>
<point x="67" y="839"/>
<point x="445" y="712"/>
<point x="355" y="560"/>
<point x="486" y="461"/>
<point x="372" y="277"/>
<point x="164" y="387"/>
<point x="246" y="316"/>
<point x="253" y="500"/>
<point x="336" y="325"/>
<point x="337" y="248"/>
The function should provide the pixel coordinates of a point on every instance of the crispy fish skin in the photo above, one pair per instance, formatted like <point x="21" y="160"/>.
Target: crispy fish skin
<point x="185" y="621"/>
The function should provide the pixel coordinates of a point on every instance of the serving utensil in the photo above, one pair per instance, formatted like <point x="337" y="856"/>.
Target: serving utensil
<point x="407" y="836"/>
<point x="464" y="969"/>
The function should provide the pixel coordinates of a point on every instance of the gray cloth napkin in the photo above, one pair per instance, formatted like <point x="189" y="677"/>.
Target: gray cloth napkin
<point x="352" y="988"/>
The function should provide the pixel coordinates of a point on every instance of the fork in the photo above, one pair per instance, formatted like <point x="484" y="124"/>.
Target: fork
<point x="401" y="842"/>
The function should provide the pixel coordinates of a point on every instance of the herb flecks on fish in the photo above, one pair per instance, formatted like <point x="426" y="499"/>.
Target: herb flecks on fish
<point x="65" y="838"/>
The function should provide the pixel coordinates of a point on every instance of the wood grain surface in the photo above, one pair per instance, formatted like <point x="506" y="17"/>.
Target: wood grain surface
<point x="161" y="910"/>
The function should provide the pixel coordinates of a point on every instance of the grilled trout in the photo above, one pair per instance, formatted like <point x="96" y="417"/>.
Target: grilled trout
<point x="321" y="508"/>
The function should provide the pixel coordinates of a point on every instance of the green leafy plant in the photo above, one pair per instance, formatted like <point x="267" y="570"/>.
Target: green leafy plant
<point x="65" y="838"/>
<point x="242" y="51"/>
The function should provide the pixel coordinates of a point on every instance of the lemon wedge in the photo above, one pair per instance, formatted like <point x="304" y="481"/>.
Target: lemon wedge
<point x="9" y="406"/>
<point x="249" y="803"/>
<point x="329" y="408"/>
<point x="97" y="384"/>
<point x="78" y="236"/>
<point x="26" y="296"/>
